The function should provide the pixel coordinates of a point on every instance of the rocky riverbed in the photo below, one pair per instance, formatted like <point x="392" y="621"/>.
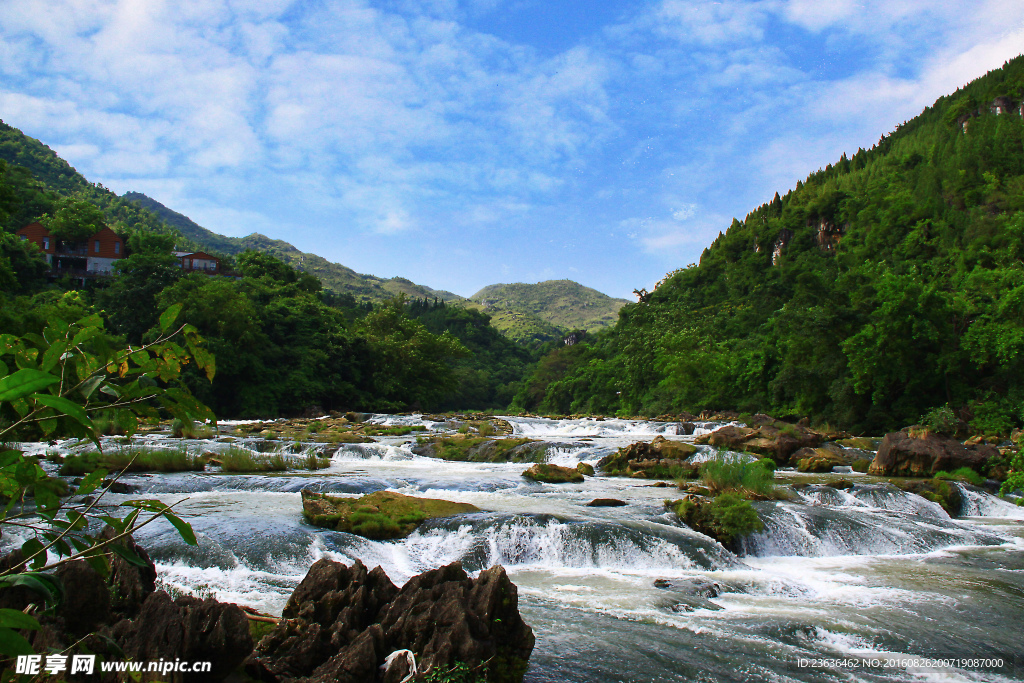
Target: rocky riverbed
<point x="849" y="564"/>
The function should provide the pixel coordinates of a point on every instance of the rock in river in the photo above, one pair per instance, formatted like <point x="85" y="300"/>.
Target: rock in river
<point x="342" y="622"/>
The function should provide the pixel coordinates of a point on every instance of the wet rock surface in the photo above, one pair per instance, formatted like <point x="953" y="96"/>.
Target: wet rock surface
<point x="767" y="437"/>
<point x="660" y="457"/>
<point x="912" y="454"/>
<point x="342" y="622"/>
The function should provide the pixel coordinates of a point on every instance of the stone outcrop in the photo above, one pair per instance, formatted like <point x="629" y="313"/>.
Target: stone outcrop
<point x="341" y="623"/>
<point x="656" y="458"/>
<point x="553" y="474"/>
<point x="910" y="453"/>
<point x="817" y="460"/>
<point x="766" y="437"/>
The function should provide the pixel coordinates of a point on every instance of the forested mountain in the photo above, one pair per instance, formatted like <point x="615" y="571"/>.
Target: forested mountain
<point x="282" y="344"/>
<point x="334" y="276"/>
<point x="884" y="285"/>
<point x="547" y="310"/>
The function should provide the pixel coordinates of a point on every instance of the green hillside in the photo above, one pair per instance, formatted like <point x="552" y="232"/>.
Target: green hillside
<point x="333" y="276"/>
<point x="886" y="285"/>
<point x="548" y="309"/>
<point x="55" y="178"/>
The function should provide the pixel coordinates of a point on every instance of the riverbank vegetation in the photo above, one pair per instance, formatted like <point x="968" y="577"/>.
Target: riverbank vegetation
<point x="881" y="287"/>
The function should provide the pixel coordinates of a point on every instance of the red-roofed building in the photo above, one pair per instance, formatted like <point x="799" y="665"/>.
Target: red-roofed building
<point x="198" y="261"/>
<point x="91" y="257"/>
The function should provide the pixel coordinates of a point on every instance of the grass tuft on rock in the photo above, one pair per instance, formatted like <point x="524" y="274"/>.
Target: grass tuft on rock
<point x="132" y="459"/>
<point x="723" y="474"/>
<point x="724" y="518"/>
<point x="379" y="516"/>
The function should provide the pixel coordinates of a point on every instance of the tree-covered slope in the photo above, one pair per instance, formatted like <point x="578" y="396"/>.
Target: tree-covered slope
<point x="334" y="276"/>
<point x="135" y="211"/>
<point x="544" y="310"/>
<point x="885" y="285"/>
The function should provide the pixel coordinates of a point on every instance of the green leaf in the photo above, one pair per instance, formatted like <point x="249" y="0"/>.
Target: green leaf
<point x="8" y="458"/>
<point x="183" y="527"/>
<point x="168" y="317"/>
<point x="12" y="618"/>
<point x="65" y="406"/>
<point x="128" y="554"/>
<point x="45" y="585"/>
<point x="13" y="644"/>
<point x="90" y="385"/>
<point x="24" y="382"/>
<point x="91" y="482"/>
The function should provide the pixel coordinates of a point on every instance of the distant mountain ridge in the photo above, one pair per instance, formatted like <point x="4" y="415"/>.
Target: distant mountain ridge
<point x="334" y="276"/>
<point x="541" y="311"/>
<point x="525" y="312"/>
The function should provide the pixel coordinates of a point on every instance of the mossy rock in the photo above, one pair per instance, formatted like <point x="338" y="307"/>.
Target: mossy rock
<point x="861" y="465"/>
<point x="861" y="443"/>
<point x="467" y="448"/>
<point x="381" y="515"/>
<point x="553" y="474"/>
<point x="816" y="460"/>
<point x="585" y="468"/>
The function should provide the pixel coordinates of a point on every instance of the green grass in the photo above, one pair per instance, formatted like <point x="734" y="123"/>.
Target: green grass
<point x="132" y="459"/>
<point x="963" y="474"/>
<point x="243" y="460"/>
<point x="750" y="480"/>
<point x="236" y="459"/>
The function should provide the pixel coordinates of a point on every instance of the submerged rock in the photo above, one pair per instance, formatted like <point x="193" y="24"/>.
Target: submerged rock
<point x="909" y="453"/>
<point x="661" y="458"/>
<point x="379" y="515"/>
<point x="553" y="474"/>
<point x="342" y="623"/>
<point x="606" y="503"/>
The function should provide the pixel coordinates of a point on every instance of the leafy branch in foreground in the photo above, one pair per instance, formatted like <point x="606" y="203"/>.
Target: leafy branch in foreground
<point x="61" y="379"/>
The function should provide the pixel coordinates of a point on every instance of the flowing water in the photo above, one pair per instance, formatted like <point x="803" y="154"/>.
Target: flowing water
<point x="628" y="593"/>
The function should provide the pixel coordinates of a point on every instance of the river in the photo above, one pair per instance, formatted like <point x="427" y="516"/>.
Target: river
<point x="628" y="593"/>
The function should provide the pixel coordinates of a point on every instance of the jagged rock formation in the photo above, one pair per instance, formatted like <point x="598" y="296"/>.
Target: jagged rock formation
<point x="342" y="622"/>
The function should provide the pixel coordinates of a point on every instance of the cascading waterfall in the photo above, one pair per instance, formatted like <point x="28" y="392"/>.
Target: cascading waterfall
<point x="625" y="592"/>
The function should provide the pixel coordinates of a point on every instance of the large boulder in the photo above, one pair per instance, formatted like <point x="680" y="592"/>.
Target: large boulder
<point x="342" y="623"/>
<point x="660" y="457"/>
<point x="817" y="460"/>
<point x="188" y="629"/>
<point x="768" y="437"/>
<point x="912" y="453"/>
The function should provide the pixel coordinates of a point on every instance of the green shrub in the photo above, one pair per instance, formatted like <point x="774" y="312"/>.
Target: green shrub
<point x="486" y="429"/>
<point x="767" y="463"/>
<point x="994" y="416"/>
<point x="459" y="673"/>
<point x="394" y="431"/>
<point x="725" y="518"/>
<point x="723" y="474"/>
<point x="941" y="420"/>
<point x="1015" y="480"/>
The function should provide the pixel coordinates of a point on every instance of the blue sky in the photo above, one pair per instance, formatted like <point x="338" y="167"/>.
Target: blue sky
<point x="461" y="144"/>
